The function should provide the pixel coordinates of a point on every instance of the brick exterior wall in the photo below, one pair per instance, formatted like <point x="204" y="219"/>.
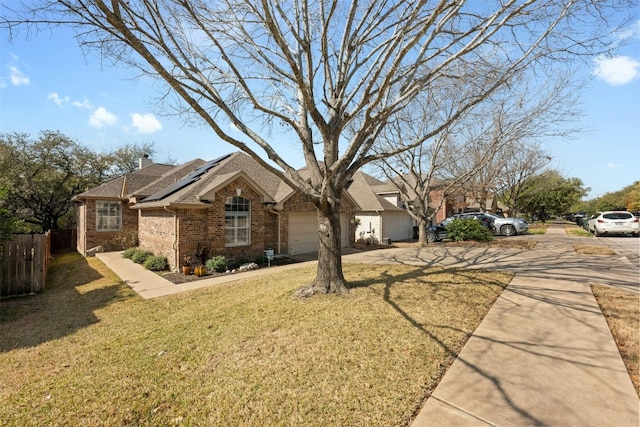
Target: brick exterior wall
<point x="156" y="233"/>
<point x="89" y="237"/>
<point x="445" y="211"/>
<point x="204" y="228"/>
<point x="178" y="233"/>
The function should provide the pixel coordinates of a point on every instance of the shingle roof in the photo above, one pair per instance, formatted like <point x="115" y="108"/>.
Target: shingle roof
<point x="122" y="186"/>
<point x="365" y="190"/>
<point x="155" y="185"/>
<point x="234" y="165"/>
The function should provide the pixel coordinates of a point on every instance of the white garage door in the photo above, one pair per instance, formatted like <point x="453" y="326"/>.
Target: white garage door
<point x="303" y="232"/>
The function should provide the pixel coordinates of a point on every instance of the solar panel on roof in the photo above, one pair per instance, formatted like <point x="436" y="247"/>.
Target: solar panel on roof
<point x="187" y="180"/>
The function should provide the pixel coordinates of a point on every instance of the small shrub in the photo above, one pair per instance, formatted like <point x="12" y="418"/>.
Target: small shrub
<point x="468" y="229"/>
<point x="140" y="256"/>
<point x="128" y="253"/>
<point x="217" y="263"/>
<point x="127" y="238"/>
<point x="156" y="263"/>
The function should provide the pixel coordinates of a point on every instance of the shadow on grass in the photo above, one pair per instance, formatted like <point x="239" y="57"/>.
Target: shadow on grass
<point x="62" y="308"/>
<point x="452" y="353"/>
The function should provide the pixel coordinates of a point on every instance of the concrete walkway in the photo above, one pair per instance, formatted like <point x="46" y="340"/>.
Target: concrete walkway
<point x="150" y="285"/>
<point x="543" y="355"/>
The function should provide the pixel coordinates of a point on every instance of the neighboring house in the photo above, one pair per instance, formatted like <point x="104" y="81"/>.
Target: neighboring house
<point x="438" y="208"/>
<point x="382" y="214"/>
<point x="469" y="203"/>
<point x="230" y="206"/>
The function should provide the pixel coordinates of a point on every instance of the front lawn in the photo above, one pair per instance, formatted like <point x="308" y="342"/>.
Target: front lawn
<point x="89" y="351"/>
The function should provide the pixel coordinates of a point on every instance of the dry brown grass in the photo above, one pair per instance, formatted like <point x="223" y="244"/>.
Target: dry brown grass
<point x="622" y="311"/>
<point x="88" y="351"/>
<point x="593" y="249"/>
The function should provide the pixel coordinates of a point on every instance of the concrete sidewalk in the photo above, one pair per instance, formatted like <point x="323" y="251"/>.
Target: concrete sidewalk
<point x="543" y="356"/>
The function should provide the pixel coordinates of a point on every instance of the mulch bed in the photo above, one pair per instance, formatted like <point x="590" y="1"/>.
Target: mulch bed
<point x="177" y="277"/>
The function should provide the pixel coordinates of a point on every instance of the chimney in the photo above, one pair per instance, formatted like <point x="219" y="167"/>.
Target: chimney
<point x="144" y="161"/>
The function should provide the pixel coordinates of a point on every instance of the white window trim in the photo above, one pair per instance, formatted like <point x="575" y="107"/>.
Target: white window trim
<point x="236" y="215"/>
<point x="99" y="215"/>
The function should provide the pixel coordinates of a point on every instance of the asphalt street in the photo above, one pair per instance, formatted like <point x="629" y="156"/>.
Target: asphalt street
<point x="627" y="246"/>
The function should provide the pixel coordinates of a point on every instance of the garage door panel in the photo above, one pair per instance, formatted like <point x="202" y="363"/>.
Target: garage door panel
<point x="303" y="232"/>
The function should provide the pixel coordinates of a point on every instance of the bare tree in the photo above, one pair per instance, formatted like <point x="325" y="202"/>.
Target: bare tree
<point x="519" y="119"/>
<point x="481" y="152"/>
<point x="318" y="68"/>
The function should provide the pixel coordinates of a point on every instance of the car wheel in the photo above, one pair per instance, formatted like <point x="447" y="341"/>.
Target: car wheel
<point x="431" y="237"/>
<point x="508" y="230"/>
<point x="635" y="234"/>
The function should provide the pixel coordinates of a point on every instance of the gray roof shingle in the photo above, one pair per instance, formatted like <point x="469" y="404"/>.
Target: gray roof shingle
<point x="121" y="187"/>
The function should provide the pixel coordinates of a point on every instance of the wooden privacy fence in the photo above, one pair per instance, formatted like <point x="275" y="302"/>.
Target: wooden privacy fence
<point x="23" y="264"/>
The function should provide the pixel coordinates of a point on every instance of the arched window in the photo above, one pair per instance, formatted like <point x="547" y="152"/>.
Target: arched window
<point x="237" y="221"/>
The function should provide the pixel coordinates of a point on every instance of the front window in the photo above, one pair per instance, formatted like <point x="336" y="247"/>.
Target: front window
<point x="237" y="221"/>
<point x="108" y="216"/>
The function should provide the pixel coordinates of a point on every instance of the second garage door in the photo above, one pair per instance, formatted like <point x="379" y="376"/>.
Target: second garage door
<point x="303" y="232"/>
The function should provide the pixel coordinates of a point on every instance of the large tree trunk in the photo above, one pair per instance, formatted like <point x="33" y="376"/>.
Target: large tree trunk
<point x="329" y="277"/>
<point x="422" y="232"/>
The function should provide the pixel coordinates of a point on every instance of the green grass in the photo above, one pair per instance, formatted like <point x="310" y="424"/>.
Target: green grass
<point x="578" y="232"/>
<point x="538" y="228"/>
<point x="88" y="351"/>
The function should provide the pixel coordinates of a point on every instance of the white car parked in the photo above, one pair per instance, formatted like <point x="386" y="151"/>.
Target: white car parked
<point x="614" y="222"/>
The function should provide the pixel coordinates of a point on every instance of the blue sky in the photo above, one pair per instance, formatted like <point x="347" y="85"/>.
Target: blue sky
<point x="46" y="83"/>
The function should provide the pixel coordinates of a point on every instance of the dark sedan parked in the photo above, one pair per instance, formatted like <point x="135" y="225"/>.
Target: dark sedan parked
<point x="438" y="232"/>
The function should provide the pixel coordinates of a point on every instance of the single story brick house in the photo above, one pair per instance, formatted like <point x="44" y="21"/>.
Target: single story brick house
<point x="230" y="206"/>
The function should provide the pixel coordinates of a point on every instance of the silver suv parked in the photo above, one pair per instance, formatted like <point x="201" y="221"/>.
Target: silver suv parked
<point x="501" y="225"/>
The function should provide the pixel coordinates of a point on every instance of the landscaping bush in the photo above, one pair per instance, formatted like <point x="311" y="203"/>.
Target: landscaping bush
<point x="468" y="229"/>
<point x="126" y="238"/>
<point x="156" y="263"/>
<point x="140" y="256"/>
<point x="128" y="253"/>
<point x="217" y="263"/>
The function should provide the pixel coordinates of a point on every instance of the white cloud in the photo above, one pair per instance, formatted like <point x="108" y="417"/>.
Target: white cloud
<point x="612" y="165"/>
<point x="83" y="104"/>
<point x="17" y="77"/>
<point x="617" y="71"/>
<point x="633" y="32"/>
<point x="101" y="117"/>
<point x="57" y="99"/>
<point x="145" y="123"/>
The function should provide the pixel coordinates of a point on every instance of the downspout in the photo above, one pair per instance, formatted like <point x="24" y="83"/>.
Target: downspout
<point x="174" y="245"/>
<point x="273" y="211"/>
<point x="84" y="232"/>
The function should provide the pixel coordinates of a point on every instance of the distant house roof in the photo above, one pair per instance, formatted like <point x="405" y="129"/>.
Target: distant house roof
<point x="367" y="191"/>
<point x="123" y="186"/>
